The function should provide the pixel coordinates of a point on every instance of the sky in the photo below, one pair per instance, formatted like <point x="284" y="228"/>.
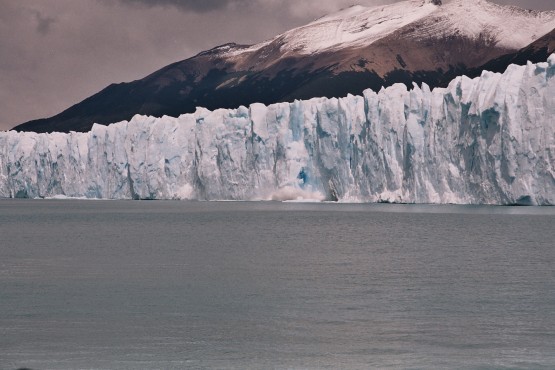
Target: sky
<point x="55" y="53"/>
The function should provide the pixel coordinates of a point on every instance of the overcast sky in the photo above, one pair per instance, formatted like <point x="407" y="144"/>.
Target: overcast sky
<point x="55" y="53"/>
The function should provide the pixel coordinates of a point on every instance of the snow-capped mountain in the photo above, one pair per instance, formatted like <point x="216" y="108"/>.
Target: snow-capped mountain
<point x="346" y="52"/>
<point x="357" y="28"/>
<point x="488" y="140"/>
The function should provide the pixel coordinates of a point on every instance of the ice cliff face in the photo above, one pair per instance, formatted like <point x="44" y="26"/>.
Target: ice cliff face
<point x="487" y="140"/>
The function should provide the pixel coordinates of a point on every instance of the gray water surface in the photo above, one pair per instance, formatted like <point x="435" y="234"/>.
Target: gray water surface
<point x="172" y="285"/>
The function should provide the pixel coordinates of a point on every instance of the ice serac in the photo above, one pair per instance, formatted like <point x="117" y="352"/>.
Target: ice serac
<point x="488" y="140"/>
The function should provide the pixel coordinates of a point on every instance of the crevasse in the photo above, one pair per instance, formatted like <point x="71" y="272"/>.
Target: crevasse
<point x="488" y="140"/>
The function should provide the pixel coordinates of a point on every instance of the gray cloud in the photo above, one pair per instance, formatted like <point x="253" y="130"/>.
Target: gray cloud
<point x="530" y="4"/>
<point x="43" y="22"/>
<point x="189" y="5"/>
<point x="55" y="53"/>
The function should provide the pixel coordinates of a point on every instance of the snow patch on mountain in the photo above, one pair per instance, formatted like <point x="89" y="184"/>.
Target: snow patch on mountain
<point x="358" y="26"/>
<point x="508" y="26"/>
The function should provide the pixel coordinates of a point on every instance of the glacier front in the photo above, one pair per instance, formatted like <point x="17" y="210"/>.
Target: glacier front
<point x="488" y="140"/>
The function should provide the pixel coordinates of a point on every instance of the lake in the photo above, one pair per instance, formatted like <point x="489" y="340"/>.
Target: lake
<point x="268" y="285"/>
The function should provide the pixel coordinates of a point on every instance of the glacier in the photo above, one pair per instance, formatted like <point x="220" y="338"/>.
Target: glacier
<point x="488" y="140"/>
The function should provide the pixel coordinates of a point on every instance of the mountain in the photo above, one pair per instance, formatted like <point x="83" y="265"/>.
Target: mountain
<point x="535" y="52"/>
<point x="346" y="52"/>
<point x="488" y="140"/>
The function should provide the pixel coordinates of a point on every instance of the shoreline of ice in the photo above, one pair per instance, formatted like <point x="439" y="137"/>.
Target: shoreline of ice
<point x="488" y="140"/>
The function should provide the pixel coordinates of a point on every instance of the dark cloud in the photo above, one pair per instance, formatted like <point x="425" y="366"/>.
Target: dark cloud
<point x="189" y="5"/>
<point x="43" y="22"/>
<point x="55" y="53"/>
<point x="530" y="4"/>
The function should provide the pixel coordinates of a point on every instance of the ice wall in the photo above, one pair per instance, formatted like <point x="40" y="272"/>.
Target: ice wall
<point x="487" y="140"/>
